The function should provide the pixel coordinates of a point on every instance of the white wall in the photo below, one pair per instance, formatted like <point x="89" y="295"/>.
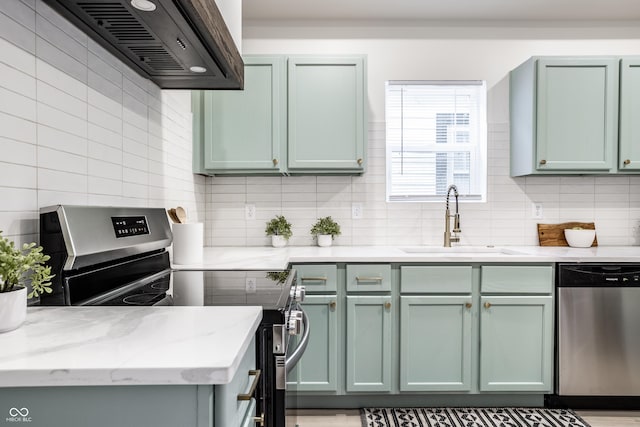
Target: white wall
<point x="79" y="127"/>
<point x="431" y="52"/>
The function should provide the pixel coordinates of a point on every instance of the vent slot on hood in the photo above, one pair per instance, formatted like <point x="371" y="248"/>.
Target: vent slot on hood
<point x="162" y="45"/>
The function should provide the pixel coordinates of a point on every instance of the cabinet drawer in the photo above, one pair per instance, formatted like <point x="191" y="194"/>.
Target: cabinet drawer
<point x="501" y="279"/>
<point x="368" y="277"/>
<point x="317" y="277"/>
<point x="454" y="279"/>
<point x="229" y="410"/>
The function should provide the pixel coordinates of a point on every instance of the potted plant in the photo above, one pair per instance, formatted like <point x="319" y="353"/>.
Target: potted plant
<point x="280" y="231"/>
<point x="17" y="268"/>
<point x="325" y="229"/>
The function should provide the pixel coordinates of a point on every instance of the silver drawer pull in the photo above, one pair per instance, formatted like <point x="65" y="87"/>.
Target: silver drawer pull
<point x="256" y="377"/>
<point x="369" y="279"/>
<point x="314" y="279"/>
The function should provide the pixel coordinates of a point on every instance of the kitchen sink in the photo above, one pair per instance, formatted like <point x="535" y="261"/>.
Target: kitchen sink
<point x="459" y="250"/>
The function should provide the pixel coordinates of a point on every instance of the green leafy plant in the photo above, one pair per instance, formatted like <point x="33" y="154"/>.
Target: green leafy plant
<point x="279" y="226"/>
<point x="18" y="267"/>
<point x="326" y="225"/>
<point x="278" y="276"/>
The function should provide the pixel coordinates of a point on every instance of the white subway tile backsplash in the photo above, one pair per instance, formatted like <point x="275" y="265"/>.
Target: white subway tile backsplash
<point x="75" y="48"/>
<point x="60" y="100"/>
<point x="17" y="199"/>
<point x="104" y="186"/>
<point x="16" y="128"/>
<point x="61" y="60"/>
<point x="64" y="82"/>
<point x="20" y="176"/>
<point x="17" y="105"/>
<point x="17" y="80"/>
<point x="60" y="160"/>
<point x="17" y="152"/>
<point x="60" y="120"/>
<point x="102" y="169"/>
<point x="49" y="179"/>
<point x="17" y="34"/>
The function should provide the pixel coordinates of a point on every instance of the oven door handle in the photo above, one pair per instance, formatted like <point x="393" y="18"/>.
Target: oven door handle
<point x="296" y="354"/>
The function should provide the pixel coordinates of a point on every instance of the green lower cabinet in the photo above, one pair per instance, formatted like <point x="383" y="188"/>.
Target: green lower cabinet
<point x="435" y="343"/>
<point x="317" y="369"/>
<point x="516" y="343"/>
<point x="369" y="326"/>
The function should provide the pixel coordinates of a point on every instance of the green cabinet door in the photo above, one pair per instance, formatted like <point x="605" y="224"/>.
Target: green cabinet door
<point x="327" y="124"/>
<point x="516" y="343"/>
<point x="317" y="369"/>
<point x="368" y="364"/>
<point x="435" y="343"/>
<point x="629" y="154"/>
<point x="577" y="114"/>
<point x="245" y="130"/>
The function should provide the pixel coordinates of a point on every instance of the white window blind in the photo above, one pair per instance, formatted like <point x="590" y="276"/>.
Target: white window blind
<point x="436" y="136"/>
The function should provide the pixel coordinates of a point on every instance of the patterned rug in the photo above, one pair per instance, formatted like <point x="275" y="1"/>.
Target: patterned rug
<point x="470" y="417"/>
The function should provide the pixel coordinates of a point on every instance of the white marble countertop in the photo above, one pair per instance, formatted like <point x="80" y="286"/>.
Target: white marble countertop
<point x="267" y="258"/>
<point x="61" y="346"/>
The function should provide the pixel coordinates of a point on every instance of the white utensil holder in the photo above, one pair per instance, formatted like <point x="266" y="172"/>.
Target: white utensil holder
<point x="188" y="243"/>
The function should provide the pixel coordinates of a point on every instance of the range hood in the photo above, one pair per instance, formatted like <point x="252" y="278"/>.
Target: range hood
<point x="181" y="44"/>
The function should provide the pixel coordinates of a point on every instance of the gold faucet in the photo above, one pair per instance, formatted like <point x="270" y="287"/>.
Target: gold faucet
<point x="448" y="238"/>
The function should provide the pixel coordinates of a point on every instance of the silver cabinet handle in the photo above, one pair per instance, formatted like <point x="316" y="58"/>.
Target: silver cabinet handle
<point x="314" y="279"/>
<point x="369" y="279"/>
<point x="256" y="377"/>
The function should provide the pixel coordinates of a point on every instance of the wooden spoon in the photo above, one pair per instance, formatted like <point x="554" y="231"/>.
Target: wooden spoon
<point x="173" y="216"/>
<point x="181" y="214"/>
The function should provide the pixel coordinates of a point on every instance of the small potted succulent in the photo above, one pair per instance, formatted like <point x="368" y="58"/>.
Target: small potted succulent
<point x="280" y="231"/>
<point x="18" y="267"/>
<point x="325" y="229"/>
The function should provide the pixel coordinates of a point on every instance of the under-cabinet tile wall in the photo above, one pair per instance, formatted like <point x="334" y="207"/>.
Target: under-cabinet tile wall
<point x="506" y="219"/>
<point x="77" y="126"/>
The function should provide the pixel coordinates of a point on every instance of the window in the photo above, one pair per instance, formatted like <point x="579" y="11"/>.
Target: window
<point x="436" y="136"/>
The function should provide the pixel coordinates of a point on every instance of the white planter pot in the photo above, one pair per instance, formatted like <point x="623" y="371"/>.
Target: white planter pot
<point x="325" y="240"/>
<point x="13" y="309"/>
<point x="278" y="241"/>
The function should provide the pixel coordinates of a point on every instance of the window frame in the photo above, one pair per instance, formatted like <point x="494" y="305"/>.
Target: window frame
<point x="477" y="152"/>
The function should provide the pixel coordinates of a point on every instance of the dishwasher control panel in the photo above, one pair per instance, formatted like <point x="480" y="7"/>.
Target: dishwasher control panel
<point x="598" y="275"/>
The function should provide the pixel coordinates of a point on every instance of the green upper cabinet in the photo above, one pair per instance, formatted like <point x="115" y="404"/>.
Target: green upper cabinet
<point x="629" y="157"/>
<point x="236" y="131"/>
<point x="295" y="115"/>
<point x="564" y="116"/>
<point x="326" y="113"/>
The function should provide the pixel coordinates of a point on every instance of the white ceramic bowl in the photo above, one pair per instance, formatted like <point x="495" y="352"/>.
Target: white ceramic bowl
<point x="579" y="238"/>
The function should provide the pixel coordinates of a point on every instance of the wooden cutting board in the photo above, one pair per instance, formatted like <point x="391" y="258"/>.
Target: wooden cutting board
<point x="553" y="234"/>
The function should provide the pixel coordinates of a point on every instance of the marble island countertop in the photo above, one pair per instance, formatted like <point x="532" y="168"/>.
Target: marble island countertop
<point x="267" y="258"/>
<point x="61" y="346"/>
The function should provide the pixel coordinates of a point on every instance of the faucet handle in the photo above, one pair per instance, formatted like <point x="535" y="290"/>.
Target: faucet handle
<point x="456" y="223"/>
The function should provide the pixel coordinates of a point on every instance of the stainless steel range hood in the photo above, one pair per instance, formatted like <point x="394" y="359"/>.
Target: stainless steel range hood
<point x="166" y="45"/>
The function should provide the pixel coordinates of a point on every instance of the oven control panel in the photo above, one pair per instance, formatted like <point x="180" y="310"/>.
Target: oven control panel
<point x="127" y="226"/>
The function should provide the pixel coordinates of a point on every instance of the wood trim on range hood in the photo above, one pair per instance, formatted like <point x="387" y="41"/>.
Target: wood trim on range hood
<point x="164" y="44"/>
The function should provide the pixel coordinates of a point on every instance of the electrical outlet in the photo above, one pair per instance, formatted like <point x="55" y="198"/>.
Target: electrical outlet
<point x="536" y="210"/>
<point x="250" y="212"/>
<point x="356" y="210"/>
<point x="250" y="285"/>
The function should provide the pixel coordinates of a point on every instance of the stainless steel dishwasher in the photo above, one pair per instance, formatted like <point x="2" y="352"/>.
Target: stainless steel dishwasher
<point x="598" y="335"/>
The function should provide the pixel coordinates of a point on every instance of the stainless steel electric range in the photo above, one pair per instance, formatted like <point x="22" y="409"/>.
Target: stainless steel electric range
<point x="119" y="256"/>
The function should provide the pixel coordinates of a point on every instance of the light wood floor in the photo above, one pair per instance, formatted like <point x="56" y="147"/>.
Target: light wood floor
<point x="351" y="418"/>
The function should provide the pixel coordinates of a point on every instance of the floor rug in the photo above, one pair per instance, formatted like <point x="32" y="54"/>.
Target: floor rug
<point x="470" y="417"/>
